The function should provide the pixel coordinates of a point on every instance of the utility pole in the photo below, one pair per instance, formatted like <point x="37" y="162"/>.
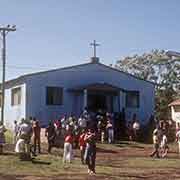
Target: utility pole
<point x="3" y="32"/>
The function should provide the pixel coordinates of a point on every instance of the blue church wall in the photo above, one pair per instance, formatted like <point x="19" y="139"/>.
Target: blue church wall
<point x="69" y="78"/>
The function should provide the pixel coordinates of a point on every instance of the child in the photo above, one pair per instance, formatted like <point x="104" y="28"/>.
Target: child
<point x="68" y="147"/>
<point x="110" y="131"/>
<point x="164" y="146"/>
<point x="156" y="144"/>
<point x="82" y="145"/>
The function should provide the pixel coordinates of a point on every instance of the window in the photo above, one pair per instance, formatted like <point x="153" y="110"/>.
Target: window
<point x="0" y="99"/>
<point x="54" y="95"/>
<point x="132" y="99"/>
<point x="16" y="96"/>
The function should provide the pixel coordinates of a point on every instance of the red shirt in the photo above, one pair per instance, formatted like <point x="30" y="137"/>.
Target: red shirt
<point x="81" y="140"/>
<point x="69" y="139"/>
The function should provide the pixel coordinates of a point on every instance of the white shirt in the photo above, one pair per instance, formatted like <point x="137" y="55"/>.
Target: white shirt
<point x="163" y="141"/>
<point x="136" y="126"/>
<point x="82" y="122"/>
<point x="25" y="128"/>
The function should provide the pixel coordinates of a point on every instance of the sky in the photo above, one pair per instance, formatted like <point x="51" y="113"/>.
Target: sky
<point x="57" y="33"/>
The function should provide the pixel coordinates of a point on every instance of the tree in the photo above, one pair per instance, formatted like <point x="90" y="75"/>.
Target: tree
<point x="158" y="67"/>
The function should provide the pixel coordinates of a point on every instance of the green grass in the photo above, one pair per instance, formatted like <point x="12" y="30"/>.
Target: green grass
<point x="118" y="161"/>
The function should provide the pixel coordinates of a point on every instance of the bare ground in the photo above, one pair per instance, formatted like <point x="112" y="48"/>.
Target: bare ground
<point x="120" y="161"/>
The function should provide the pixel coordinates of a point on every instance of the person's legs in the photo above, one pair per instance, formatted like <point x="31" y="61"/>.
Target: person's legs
<point x="109" y="136"/>
<point x="102" y="136"/>
<point x="179" y="147"/>
<point x="65" y="152"/>
<point x="93" y="159"/>
<point x="70" y="153"/>
<point x="39" y="144"/>
<point x="87" y="158"/>
<point x="82" y="149"/>
<point x="166" y="148"/>
<point x="35" y="143"/>
<point x="112" y="135"/>
<point x="49" y="146"/>
<point x="155" y="151"/>
<point x="1" y="149"/>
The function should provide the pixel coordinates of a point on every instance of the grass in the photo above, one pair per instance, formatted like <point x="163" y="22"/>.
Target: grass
<point x="123" y="160"/>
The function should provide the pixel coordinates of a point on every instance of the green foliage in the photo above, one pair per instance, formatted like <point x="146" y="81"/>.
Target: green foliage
<point x="159" y="68"/>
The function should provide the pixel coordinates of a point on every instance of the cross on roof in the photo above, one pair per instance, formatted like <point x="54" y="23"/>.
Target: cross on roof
<point x="94" y="44"/>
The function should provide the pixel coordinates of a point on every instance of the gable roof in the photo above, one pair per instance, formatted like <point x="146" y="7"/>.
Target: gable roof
<point x="175" y="103"/>
<point x="23" y="77"/>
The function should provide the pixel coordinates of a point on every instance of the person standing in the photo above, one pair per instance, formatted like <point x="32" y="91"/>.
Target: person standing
<point x="24" y="134"/>
<point x="110" y="131"/>
<point x="15" y="132"/>
<point x="50" y="134"/>
<point x="90" y="151"/>
<point x="156" y="144"/>
<point x="68" y="142"/>
<point x="164" y="145"/>
<point x="37" y="135"/>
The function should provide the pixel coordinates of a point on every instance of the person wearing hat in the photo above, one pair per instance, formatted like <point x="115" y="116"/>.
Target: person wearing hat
<point x="156" y="144"/>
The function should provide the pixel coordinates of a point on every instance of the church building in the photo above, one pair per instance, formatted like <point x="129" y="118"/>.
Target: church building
<point x="50" y="94"/>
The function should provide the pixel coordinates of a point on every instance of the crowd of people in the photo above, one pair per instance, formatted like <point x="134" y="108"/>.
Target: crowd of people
<point x="67" y="132"/>
<point x="83" y="133"/>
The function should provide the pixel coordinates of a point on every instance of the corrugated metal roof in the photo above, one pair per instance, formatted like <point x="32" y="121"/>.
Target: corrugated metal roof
<point x="75" y="66"/>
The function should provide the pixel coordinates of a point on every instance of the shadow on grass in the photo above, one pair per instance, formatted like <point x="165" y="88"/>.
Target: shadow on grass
<point x="106" y="150"/>
<point x="35" y="161"/>
<point x="9" y="154"/>
<point x="122" y="145"/>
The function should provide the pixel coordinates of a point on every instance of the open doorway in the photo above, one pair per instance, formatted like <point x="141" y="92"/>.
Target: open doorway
<point x="96" y="102"/>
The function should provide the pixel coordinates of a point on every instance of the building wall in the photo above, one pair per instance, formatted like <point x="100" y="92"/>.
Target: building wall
<point x="175" y="114"/>
<point x="80" y="76"/>
<point x="17" y="112"/>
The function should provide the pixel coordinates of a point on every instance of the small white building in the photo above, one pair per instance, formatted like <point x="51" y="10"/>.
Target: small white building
<point x="175" y="110"/>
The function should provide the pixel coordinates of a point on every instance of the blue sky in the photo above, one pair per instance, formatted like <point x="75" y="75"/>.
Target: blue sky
<point x="57" y="33"/>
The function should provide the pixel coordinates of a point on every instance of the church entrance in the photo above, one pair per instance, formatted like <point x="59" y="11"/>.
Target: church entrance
<point x="100" y="101"/>
<point x="96" y="102"/>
